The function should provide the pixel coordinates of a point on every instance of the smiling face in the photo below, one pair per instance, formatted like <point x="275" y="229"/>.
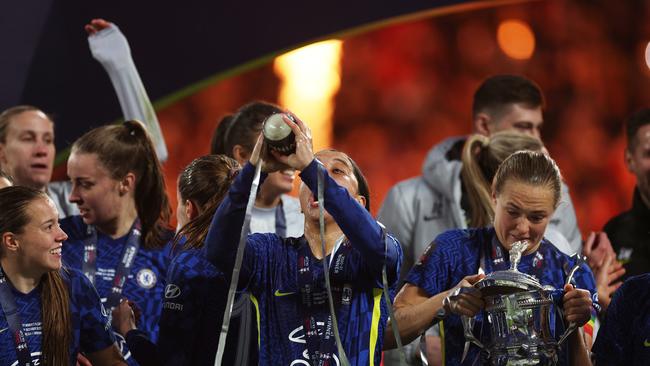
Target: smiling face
<point x="340" y="169"/>
<point x="40" y="241"/>
<point x="98" y="196"/>
<point x="522" y="212"/>
<point x="27" y="153"/>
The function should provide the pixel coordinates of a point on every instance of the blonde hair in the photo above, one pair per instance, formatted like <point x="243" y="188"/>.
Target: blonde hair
<point x="481" y="158"/>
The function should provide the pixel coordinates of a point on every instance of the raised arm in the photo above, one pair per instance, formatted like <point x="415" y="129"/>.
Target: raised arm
<point x="111" y="49"/>
<point x="225" y="229"/>
<point x="356" y="223"/>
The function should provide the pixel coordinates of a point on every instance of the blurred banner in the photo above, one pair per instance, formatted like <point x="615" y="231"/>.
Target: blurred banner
<point x="178" y="46"/>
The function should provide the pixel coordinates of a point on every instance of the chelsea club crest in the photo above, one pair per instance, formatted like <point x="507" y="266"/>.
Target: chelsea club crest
<point x="146" y="278"/>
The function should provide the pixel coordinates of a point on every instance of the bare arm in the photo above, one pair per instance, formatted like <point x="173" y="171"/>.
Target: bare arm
<point x="579" y="353"/>
<point x="414" y="312"/>
<point x="109" y="356"/>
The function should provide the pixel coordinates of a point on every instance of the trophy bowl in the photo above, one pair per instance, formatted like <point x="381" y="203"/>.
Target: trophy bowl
<point x="520" y="314"/>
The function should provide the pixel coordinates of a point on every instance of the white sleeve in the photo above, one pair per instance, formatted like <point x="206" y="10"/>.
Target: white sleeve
<point x="111" y="49"/>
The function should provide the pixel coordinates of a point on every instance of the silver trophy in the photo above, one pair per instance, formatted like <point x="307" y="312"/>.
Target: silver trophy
<point x="518" y="311"/>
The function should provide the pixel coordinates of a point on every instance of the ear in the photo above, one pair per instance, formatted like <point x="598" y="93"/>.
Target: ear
<point x="629" y="162"/>
<point x="362" y="200"/>
<point x="494" y="197"/>
<point x="9" y="242"/>
<point x="127" y="184"/>
<point x="482" y="124"/>
<point x="191" y="210"/>
<point x="240" y="154"/>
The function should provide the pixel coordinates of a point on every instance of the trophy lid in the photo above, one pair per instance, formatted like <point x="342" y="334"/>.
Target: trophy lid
<point x="511" y="280"/>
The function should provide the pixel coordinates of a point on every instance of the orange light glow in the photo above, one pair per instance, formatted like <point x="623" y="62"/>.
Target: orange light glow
<point x="310" y="77"/>
<point x="647" y="55"/>
<point x="516" y="39"/>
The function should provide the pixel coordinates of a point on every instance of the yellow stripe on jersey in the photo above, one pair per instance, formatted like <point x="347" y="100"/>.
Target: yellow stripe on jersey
<point x="374" y="328"/>
<point x="257" y="312"/>
<point x="442" y="340"/>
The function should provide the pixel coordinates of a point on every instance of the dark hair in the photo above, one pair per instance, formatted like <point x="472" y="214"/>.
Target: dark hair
<point x="501" y="91"/>
<point x="55" y="300"/>
<point x="633" y="124"/>
<point x="125" y="148"/>
<point x="481" y="158"/>
<point x="530" y="167"/>
<point x="243" y="128"/>
<point x="363" y="188"/>
<point x="205" y="182"/>
<point x="217" y="142"/>
<point x="9" y="113"/>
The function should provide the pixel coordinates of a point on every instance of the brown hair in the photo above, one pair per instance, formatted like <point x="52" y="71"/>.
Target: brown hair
<point x="530" y="167"/>
<point x="500" y="91"/>
<point x="242" y="128"/>
<point x="9" y="113"/>
<point x="205" y="181"/>
<point x="127" y="148"/>
<point x="55" y="301"/>
<point x="481" y="158"/>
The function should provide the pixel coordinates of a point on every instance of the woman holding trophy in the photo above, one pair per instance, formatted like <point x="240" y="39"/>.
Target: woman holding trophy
<point x="449" y="284"/>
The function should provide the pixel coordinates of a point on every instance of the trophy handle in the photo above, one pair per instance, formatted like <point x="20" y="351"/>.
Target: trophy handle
<point x="468" y="326"/>
<point x="572" y="326"/>
<point x="580" y="259"/>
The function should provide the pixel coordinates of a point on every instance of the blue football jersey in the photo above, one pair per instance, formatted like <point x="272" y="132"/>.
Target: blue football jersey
<point x="272" y="267"/>
<point x="624" y="336"/>
<point x="145" y="284"/>
<point x="456" y="253"/>
<point x="195" y="299"/>
<point x="90" y="322"/>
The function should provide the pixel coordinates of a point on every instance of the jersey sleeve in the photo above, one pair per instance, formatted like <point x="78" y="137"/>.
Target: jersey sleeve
<point x="357" y="224"/>
<point x="433" y="272"/>
<point x="96" y="333"/>
<point x="111" y="49"/>
<point x="612" y="346"/>
<point x="223" y="236"/>
<point x="398" y="218"/>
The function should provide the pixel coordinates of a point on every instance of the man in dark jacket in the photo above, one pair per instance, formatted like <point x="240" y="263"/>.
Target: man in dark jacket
<point x="629" y="232"/>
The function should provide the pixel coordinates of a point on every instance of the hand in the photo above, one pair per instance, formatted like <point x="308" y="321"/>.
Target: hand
<point x="608" y="279"/>
<point x="124" y="317"/>
<point x="96" y="25"/>
<point x="83" y="361"/>
<point x="577" y="305"/>
<point x="596" y="248"/>
<point x="464" y="298"/>
<point x="270" y="164"/>
<point x="304" y="151"/>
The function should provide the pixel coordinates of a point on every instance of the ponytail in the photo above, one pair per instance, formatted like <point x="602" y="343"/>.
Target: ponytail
<point x="205" y="181"/>
<point x="127" y="148"/>
<point x="57" y="323"/>
<point x="476" y="185"/>
<point x="481" y="158"/>
<point x="218" y="141"/>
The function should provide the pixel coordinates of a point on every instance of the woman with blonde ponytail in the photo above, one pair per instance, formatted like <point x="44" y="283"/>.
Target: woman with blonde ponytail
<point x="48" y="314"/>
<point x="481" y="158"/>
<point x="120" y="239"/>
